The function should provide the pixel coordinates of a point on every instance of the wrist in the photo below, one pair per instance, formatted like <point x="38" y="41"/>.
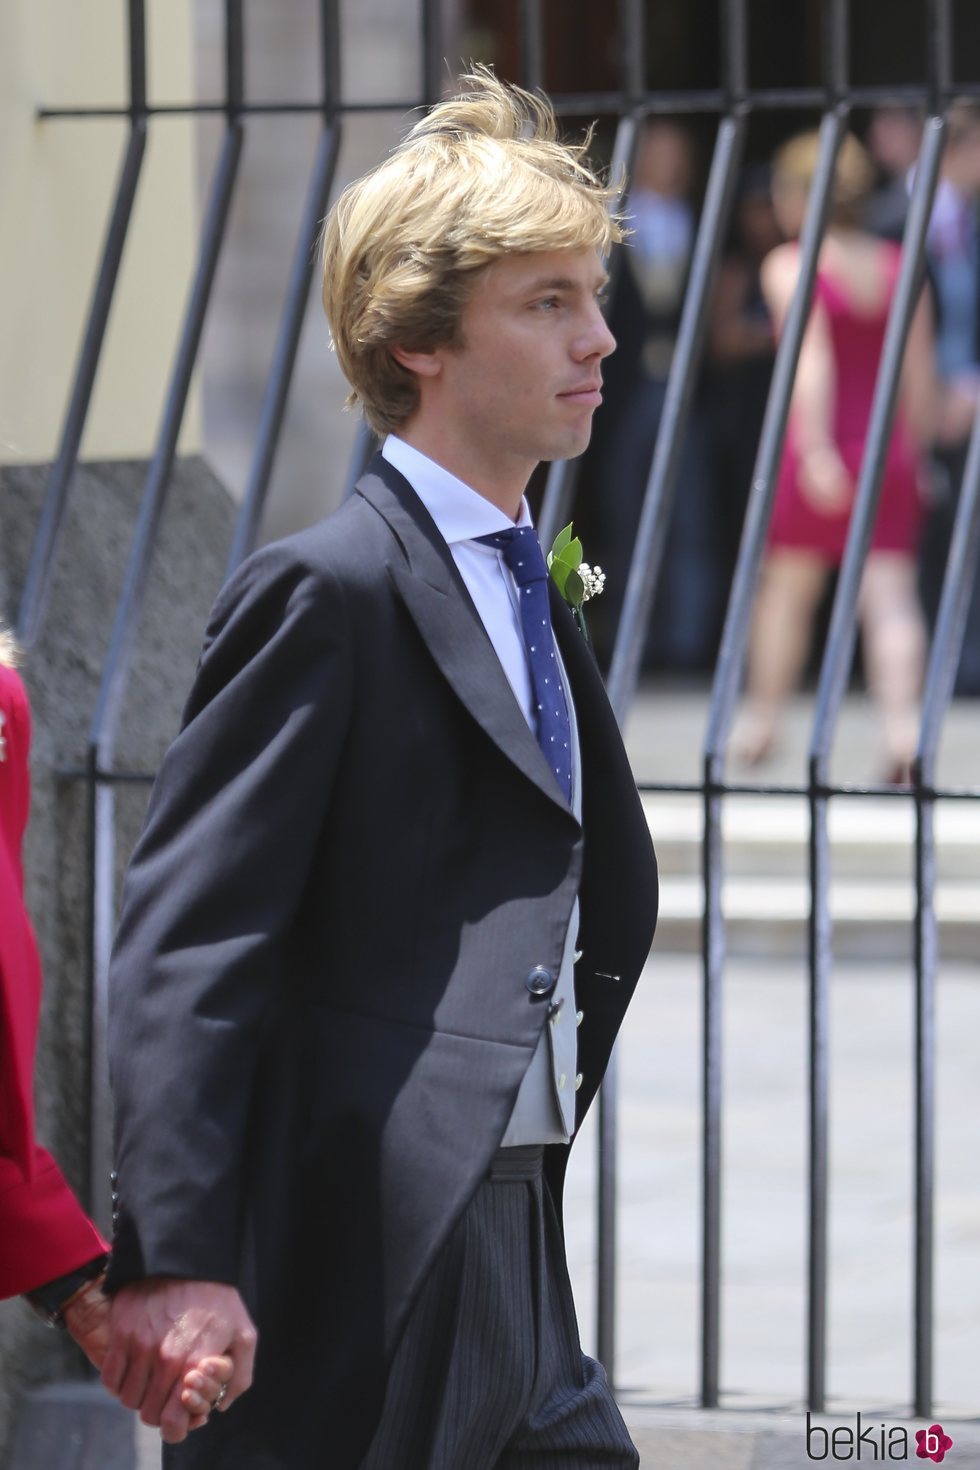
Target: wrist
<point x="52" y="1300"/>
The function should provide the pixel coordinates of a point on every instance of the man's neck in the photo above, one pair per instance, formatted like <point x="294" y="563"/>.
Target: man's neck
<point x="503" y="488"/>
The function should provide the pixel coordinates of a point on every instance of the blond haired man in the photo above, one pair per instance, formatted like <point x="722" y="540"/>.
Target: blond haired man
<point x="345" y="995"/>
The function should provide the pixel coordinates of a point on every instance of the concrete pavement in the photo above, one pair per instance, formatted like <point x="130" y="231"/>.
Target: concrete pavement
<point x="761" y="1423"/>
<point x="764" y="1232"/>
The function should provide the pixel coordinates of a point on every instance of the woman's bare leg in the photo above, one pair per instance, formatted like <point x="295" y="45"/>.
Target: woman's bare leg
<point x="894" y="638"/>
<point x="782" y="625"/>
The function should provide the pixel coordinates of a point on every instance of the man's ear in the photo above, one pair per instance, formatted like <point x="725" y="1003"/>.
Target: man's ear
<point x="426" y="364"/>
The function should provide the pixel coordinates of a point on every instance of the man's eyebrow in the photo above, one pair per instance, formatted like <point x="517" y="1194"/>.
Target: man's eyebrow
<point x="564" y="283"/>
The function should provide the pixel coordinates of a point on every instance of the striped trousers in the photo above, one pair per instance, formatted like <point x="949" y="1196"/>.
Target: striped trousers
<point x="489" y="1374"/>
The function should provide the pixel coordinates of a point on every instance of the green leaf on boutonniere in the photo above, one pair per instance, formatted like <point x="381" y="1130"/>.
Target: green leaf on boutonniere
<point x="561" y="541"/>
<point x="571" y="555"/>
<point x="574" y="589"/>
<point x="567" y="548"/>
<point x="564" y="562"/>
<point x="559" y="574"/>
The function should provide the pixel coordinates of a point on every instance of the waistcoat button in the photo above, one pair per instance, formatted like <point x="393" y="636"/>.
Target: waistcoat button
<point x="540" y="981"/>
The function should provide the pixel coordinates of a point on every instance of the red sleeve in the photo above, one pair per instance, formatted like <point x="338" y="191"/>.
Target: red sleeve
<point x="44" y="1231"/>
<point x="20" y="974"/>
<point x="15" y="776"/>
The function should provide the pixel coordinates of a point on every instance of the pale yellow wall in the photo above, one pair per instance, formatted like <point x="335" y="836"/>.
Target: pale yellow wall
<point x="57" y="181"/>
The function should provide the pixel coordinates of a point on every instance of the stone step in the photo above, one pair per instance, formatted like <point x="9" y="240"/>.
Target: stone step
<point x="872" y="918"/>
<point x="767" y="836"/>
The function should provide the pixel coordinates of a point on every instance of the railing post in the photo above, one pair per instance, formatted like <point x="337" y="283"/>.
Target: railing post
<point x="833" y="678"/>
<point x="961" y="570"/>
<point x="641" y="584"/>
<point x="433" y="51"/>
<point x="532" y="45"/>
<point x="562" y="478"/>
<point x="735" y="77"/>
<point x="280" y="378"/>
<point x="122" y="644"/>
<point x="58" y="488"/>
<point x="944" y="656"/>
<point x="724" y="694"/>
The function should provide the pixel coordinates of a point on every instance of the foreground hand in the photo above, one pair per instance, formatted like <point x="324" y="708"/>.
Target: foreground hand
<point x="163" y="1329"/>
<point x="202" y="1390"/>
<point x="87" y="1320"/>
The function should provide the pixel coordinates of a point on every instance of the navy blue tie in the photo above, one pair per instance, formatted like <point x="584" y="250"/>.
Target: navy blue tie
<point x="521" y="550"/>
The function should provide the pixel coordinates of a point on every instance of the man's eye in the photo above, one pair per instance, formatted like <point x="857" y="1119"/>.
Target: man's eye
<point x="549" y="303"/>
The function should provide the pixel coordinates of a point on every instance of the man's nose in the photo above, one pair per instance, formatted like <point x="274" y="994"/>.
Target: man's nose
<point x="597" y="340"/>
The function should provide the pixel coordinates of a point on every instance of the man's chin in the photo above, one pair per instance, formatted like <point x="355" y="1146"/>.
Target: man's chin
<point x="568" y="449"/>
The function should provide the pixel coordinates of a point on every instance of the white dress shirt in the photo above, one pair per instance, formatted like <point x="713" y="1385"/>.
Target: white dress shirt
<point x="461" y="514"/>
<point x="545" y="1107"/>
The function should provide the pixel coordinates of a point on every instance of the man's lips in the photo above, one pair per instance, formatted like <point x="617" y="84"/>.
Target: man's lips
<point x="586" y="395"/>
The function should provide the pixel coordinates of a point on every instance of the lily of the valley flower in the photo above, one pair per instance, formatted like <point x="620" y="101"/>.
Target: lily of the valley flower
<point x="594" y="580"/>
<point x="576" y="580"/>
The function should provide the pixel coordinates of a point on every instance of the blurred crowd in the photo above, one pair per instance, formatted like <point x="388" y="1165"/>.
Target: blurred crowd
<point x="857" y="271"/>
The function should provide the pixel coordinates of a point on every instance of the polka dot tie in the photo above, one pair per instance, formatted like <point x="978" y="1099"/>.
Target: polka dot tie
<point x="521" y="550"/>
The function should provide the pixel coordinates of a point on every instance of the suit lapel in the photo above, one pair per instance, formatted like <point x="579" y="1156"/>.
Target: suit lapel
<point x="429" y="584"/>
<point x="580" y="665"/>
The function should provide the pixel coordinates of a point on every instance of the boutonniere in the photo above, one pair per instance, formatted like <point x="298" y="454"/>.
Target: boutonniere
<point x="577" y="582"/>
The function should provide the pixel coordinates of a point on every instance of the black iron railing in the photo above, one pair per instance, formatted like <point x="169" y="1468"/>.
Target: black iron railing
<point x="734" y="102"/>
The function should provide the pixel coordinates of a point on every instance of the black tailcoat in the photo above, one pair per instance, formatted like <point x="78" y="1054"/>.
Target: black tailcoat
<point x="354" y="855"/>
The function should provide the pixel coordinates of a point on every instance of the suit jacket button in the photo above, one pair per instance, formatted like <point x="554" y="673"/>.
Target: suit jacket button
<point x="540" y="981"/>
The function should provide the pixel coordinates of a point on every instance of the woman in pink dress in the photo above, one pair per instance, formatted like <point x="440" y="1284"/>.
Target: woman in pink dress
<point x="829" y="415"/>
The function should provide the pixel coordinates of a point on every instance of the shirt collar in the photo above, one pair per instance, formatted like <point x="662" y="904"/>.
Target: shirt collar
<point x="460" y="513"/>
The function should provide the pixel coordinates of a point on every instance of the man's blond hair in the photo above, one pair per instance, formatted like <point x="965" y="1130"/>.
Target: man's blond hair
<point x="483" y="175"/>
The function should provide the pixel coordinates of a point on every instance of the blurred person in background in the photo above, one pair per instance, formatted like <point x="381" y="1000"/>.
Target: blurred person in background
<point x="50" y="1251"/>
<point x="741" y="351"/>
<point x="893" y="140"/>
<point x="647" y="302"/>
<point x="829" y="413"/>
<point x="953" y="245"/>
